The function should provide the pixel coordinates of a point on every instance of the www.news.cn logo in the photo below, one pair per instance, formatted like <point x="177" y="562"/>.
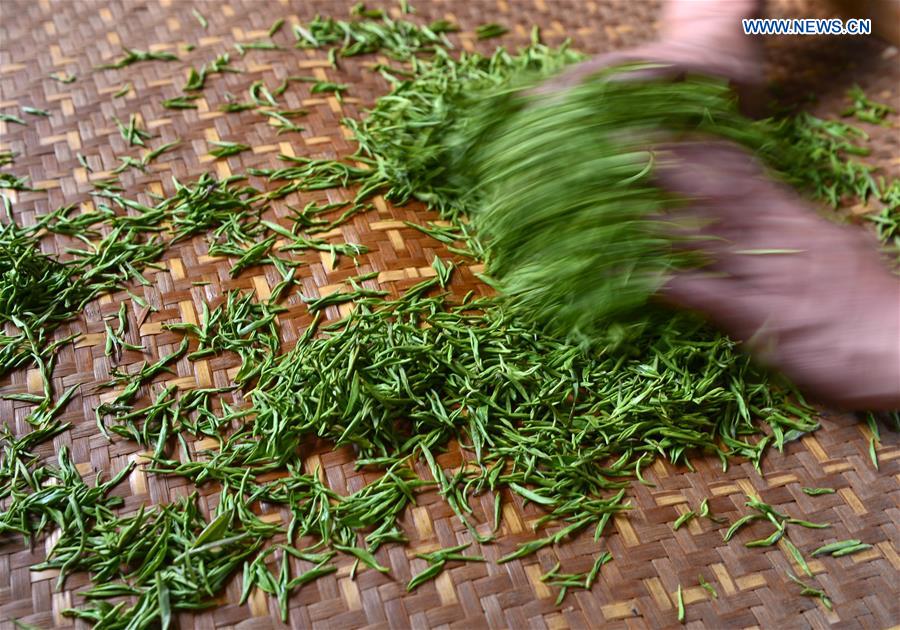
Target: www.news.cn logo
<point x="806" y="26"/>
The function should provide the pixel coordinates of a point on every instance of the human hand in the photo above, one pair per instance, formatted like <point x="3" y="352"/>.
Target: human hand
<point x="696" y="36"/>
<point x="809" y="297"/>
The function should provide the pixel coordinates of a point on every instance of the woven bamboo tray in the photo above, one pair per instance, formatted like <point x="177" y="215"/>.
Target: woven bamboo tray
<point x="637" y="590"/>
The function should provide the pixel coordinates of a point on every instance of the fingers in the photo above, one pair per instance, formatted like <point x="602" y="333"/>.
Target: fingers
<point x="579" y="73"/>
<point x="709" y="170"/>
<point x="716" y="296"/>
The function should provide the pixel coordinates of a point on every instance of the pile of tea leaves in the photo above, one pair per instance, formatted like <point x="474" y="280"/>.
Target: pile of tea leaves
<point x="566" y="425"/>
<point x="577" y="232"/>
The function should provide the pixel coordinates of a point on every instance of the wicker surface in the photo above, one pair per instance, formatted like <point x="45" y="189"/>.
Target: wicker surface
<point x="638" y="588"/>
